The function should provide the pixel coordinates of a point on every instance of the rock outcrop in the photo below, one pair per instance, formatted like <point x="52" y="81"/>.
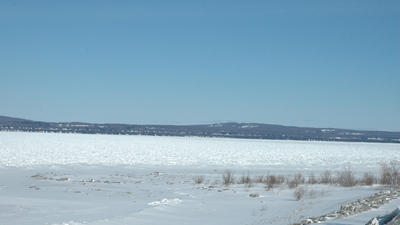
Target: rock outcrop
<point x="356" y="207"/>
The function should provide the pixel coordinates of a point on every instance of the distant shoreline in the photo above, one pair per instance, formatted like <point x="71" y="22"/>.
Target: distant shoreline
<point x="220" y="130"/>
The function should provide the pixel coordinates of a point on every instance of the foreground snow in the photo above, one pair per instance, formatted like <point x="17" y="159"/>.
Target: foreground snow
<point x="75" y="179"/>
<point x="123" y="195"/>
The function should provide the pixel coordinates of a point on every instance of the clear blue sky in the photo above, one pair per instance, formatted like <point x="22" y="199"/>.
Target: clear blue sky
<point x="321" y="63"/>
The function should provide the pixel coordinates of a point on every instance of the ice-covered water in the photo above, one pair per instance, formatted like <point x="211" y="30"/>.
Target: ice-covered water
<point x="21" y="149"/>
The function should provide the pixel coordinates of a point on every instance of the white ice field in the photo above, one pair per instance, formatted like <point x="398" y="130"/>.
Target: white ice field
<point x="32" y="149"/>
<point x="79" y="179"/>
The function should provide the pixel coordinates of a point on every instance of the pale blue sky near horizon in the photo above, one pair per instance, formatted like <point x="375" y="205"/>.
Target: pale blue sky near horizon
<point x="317" y="63"/>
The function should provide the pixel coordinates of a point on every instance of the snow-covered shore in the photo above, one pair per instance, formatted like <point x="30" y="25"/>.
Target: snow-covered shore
<point x="120" y="195"/>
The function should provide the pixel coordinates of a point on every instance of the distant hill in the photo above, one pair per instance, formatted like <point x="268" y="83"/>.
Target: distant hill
<point x="4" y="119"/>
<point x="231" y="130"/>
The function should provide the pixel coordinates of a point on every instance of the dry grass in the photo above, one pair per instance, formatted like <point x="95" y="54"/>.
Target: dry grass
<point x="246" y="179"/>
<point x="227" y="178"/>
<point x="297" y="180"/>
<point x="312" y="179"/>
<point x="390" y="174"/>
<point x="346" y="177"/>
<point x="271" y="180"/>
<point x="259" y="179"/>
<point x="299" y="193"/>
<point x="280" y="179"/>
<point x="326" y="177"/>
<point x="368" y="179"/>
<point x="385" y="174"/>
<point x="199" y="180"/>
